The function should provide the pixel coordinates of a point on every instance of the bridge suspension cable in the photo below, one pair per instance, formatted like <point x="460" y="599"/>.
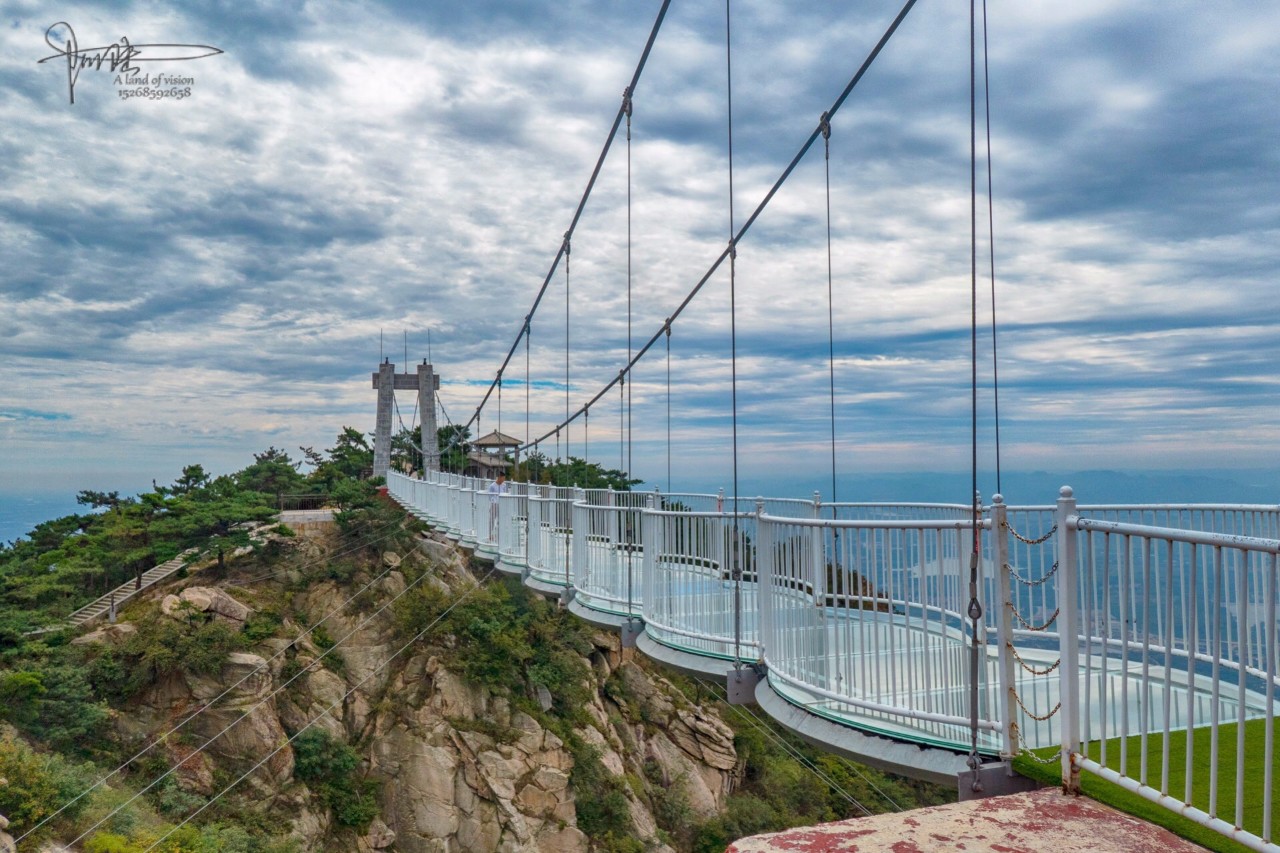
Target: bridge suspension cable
<point x="765" y="729"/>
<point x="746" y="226"/>
<point x="975" y="605"/>
<point x="582" y="202"/>
<point x="991" y="244"/>
<point x="825" y="127"/>
<point x="628" y="107"/>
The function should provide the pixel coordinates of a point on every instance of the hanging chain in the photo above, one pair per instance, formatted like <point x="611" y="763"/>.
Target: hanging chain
<point x="1028" y="667"/>
<point x="1029" y="626"/>
<point x="1016" y="732"/>
<point x="1024" y="540"/>
<point x="1053" y="570"/>
<point x="1039" y="718"/>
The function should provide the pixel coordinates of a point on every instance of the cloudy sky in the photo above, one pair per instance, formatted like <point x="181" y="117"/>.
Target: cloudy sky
<point x="191" y="280"/>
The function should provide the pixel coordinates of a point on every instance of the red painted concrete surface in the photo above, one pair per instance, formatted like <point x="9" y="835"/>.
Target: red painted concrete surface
<point x="1045" y="820"/>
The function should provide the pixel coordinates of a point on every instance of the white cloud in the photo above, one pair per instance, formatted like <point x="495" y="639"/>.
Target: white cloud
<point x="200" y="278"/>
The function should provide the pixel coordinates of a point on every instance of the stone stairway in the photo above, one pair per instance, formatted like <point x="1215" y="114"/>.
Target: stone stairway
<point x="118" y="596"/>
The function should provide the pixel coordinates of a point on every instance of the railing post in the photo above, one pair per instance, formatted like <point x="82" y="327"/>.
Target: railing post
<point x="1004" y="626"/>
<point x="1069" y="637"/>
<point x="741" y="681"/>
<point x="632" y="627"/>
<point x="818" y="556"/>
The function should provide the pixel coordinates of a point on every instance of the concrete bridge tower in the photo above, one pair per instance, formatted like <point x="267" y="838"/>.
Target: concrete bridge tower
<point x="386" y="382"/>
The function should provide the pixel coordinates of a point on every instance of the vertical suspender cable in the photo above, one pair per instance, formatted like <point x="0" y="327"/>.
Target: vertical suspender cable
<point x="627" y="467"/>
<point x="622" y="405"/>
<point x="591" y="182"/>
<point x="733" y="348"/>
<point x="991" y="232"/>
<point x="831" y="323"/>
<point x="526" y="380"/>
<point x="975" y="606"/>
<point x="668" y="336"/>
<point x="566" y="345"/>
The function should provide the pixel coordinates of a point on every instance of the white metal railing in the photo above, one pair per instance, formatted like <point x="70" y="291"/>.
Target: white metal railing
<point x="1164" y="617"/>
<point x="864" y="621"/>
<point x="1177" y="655"/>
<point x="551" y="535"/>
<point x="699" y="579"/>
<point x="513" y="520"/>
<point x="608" y="548"/>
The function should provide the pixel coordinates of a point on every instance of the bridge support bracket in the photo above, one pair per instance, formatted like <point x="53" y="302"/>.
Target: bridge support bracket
<point x="630" y="631"/>
<point x="997" y="778"/>
<point x="566" y="595"/>
<point x="740" y="685"/>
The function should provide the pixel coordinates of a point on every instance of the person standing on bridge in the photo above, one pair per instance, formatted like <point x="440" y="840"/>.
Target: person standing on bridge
<point x="496" y="488"/>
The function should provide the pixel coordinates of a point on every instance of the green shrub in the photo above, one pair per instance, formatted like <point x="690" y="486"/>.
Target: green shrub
<point x="321" y="638"/>
<point x="54" y="701"/>
<point x="38" y="785"/>
<point x="600" y="797"/>
<point x="161" y="647"/>
<point x="330" y="768"/>
<point x="262" y="625"/>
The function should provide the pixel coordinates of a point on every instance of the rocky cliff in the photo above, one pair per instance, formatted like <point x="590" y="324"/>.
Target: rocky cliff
<point x="588" y="749"/>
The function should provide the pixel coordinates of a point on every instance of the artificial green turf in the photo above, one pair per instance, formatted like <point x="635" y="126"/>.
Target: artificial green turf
<point x="1114" y="795"/>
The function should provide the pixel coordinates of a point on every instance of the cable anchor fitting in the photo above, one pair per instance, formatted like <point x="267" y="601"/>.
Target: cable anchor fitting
<point x="626" y="101"/>
<point x="733" y="250"/>
<point x="824" y="125"/>
<point x="566" y="244"/>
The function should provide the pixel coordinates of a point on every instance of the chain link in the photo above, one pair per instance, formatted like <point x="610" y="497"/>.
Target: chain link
<point x="1037" y="717"/>
<point x="1048" y="759"/>
<point x="1023" y="750"/>
<point x="1024" y="540"/>
<point x="1053" y="570"/>
<point x="1028" y="625"/>
<point x="1028" y="667"/>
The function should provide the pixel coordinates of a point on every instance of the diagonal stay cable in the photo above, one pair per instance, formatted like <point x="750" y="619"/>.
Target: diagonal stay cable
<point x="255" y="707"/>
<point x="767" y="727"/>
<point x="178" y="726"/>
<point x="849" y="765"/>
<point x="582" y="203"/>
<point x="746" y="226"/>
<point x="326" y="711"/>
<point x="790" y="750"/>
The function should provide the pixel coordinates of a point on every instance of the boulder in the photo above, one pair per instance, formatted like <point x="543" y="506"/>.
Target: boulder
<point x="110" y="635"/>
<point x="205" y="599"/>
<point x="380" y="836"/>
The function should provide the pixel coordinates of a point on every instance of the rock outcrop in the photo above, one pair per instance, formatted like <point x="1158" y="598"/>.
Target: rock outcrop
<point x="7" y="844"/>
<point x="204" y="599"/>
<point x="459" y="767"/>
